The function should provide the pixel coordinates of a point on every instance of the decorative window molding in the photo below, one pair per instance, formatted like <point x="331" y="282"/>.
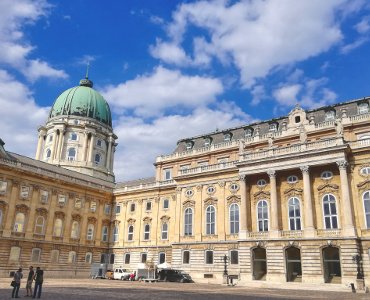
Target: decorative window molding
<point x="210" y="201"/>
<point x="365" y="171"/>
<point x="211" y="190"/>
<point x="189" y="192"/>
<point x="292" y="179"/>
<point x="233" y="199"/>
<point x="261" y="183"/>
<point x="234" y="187"/>
<point x="326" y="175"/>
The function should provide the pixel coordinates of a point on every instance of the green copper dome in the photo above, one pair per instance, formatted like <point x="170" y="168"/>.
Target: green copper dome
<point x="82" y="101"/>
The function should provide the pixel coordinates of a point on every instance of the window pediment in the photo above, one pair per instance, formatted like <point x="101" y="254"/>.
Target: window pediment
<point x="261" y="195"/>
<point x="147" y="220"/>
<point x="131" y="221"/>
<point x="233" y="199"/>
<point x="210" y="201"/>
<point x="328" y="187"/>
<point x="22" y="208"/>
<point x="59" y="215"/>
<point x="293" y="192"/>
<point x="91" y="220"/>
<point x="3" y="204"/>
<point x="76" y="217"/>
<point x="364" y="185"/>
<point x="165" y="218"/>
<point x="42" y="211"/>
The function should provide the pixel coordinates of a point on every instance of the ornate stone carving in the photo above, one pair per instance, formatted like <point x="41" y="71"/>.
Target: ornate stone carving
<point x="106" y="222"/>
<point x="22" y="208"/>
<point x="242" y="177"/>
<point x="59" y="215"/>
<point x="293" y="192"/>
<point x="3" y="204"/>
<point x="261" y="195"/>
<point x="271" y="173"/>
<point x="131" y="221"/>
<point x="199" y="187"/>
<point x="328" y="186"/>
<point x="222" y="183"/>
<point x="188" y="203"/>
<point x="364" y="185"/>
<point x="210" y="201"/>
<point x="91" y="220"/>
<point x="165" y="218"/>
<point x="42" y="211"/>
<point x="305" y="169"/>
<point x="147" y="220"/>
<point x="76" y="217"/>
<point x="233" y="199"/>
<point x="342" y="164"/>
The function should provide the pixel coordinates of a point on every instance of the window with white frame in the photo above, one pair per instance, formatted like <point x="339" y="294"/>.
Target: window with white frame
<point x="189" y="145"/>
<point x="71" y="257"/>
<point x="3" y="187"/>
<point x="75" y="230"/>
<point x="210" y="220"/>
<point x="363" y="108"/>
<point x="365" y="171"/>
<point x="25" y="191"/>
<point x="186" y="257"/>
<point x="161" y="258"/>
<point x="93" y="206"/>
<point x="90" y="232"/>
<point x="15" y="253"/>
<point x="185" y="167"/>
<point x="146" y="232"/>
<point x="188" y="222"/>
<point x="73" y="136"/>
<point x="115" y="234"/>
<point x="261" y="182"/>
<point x="164" y="233"/>
<point x="54" y="256"/>
<point x="189" y="193"/>
<point x="127" y="258"/>
<point x="292" y="179"/>
<point x="107" y="209"/>
<point x="166" y="203"/>
<point x="47" y="153"/>
<point x="366" y="200"/>
<point x="88" y="258"/>
<point x="144" y="257"/>
<point x="58" y="227"/>
<point x="167" y="174"/>
<point x="97" y="159"/>
<point x="36" y="254"/>
<point x="248" y="132"/>
<point x="207" y="142"/>
<point x="132" y="207"/>
<point x="234" y="257"/>
<point x="130" y="234"/>
<point x="273" y="127"/>
<point x="61" y="200"/>
<point x="329" y="115"/>
<point x="44" y="196"/>
<point x="19" y="222"/>
<point x="39" y="225"/>
<point x="104" y="236"/>
<point x="148" y="206"/>
<point x="326" y="175"/>
<point x="118" y="209"/>
<point x="50" y="138"/>
<point x="294" y="211"/>
<point x="262" y="216"/>
<point x="227" y="137"/>
<point x="78" y="203"/>
<point x="234" y="187"/>
<point x="234" y="218"/>
<point x="209" y="257"/>
<point x="330" y="211"/>
<point x="71" y="154"/>
<point x="99" y="143"/>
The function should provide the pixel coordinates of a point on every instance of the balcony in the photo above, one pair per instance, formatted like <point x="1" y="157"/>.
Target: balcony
<point x="291" y="234"/>
<point x="328" y="232"/>
<point x="149" y="185"/>
<point x="203" y="169"/>
<point x="259" y="235"/>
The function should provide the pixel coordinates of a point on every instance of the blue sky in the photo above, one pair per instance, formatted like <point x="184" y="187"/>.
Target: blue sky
<point x="175" y="69"/>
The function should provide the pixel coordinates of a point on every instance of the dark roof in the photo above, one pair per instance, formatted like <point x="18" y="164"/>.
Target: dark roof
<point x="135" y="182"/>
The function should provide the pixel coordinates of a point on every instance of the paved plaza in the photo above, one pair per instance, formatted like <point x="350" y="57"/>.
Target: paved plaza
<point x="90" y="289"/>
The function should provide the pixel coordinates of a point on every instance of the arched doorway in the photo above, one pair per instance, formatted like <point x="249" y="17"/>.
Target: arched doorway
<point x="293" y="264"/>
<point x="331" y="264"/>
<point x="259" y="263"/>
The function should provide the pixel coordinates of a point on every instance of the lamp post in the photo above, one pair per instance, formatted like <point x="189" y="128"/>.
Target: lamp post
<point x="358" y="260"/>
<point x="225" y="260"/>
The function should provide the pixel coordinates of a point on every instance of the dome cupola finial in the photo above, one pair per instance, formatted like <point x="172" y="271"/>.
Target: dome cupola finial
<point x="86" y="81"/>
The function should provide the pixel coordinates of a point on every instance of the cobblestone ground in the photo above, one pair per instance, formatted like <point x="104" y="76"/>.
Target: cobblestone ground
<point x="90" y="289"/>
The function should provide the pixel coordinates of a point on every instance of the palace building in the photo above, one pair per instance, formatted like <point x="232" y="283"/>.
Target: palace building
<point x="283" y="200"/>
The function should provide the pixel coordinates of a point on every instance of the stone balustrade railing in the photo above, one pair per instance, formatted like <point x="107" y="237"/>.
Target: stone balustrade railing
<point x="201" y="169"/>
<point x="328" y="232"/>
<point x="149" y="185"/>
<point x="291" y="233"/>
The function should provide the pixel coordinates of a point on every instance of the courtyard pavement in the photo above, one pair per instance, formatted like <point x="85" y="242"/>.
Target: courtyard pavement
<point x="98" y="289"/>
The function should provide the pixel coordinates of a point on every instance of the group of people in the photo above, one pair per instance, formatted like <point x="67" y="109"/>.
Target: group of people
<point x="37" y="276"/>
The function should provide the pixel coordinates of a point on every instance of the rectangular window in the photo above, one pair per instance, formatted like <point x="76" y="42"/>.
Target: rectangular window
<point x="166" y="203"/>
<point x="72" y="257"/>
<point x="88" y="258"/>
<point x="44" y="196"/>
<point x="185" y="167"/>
<point x="78" y="203"/>
<point x="3" y="187"/>
<point x="186" y="257"/>
<point x="127" y="258"/>
<point x="54" y="256"/>
<point x="148" y="206"/>
<point x="202" y="163"/>
<point x="132" y="207"/>
<point x="35" y="257"/>
<point x="104" y="258"/>
<point x="111" y="259"/>
<point x="144" y="257"/>
<point x="61" y="200"/>
<point x="209" y="257"/>
<point x="118" y="209"/>
<point x="93" y="206"/>
<point x="25" y="190"/>
<point x="107" y="209"/>
<point x="234" y="257"/>
<point x="162" y="258"/>
<point x="167" y="174"/>
<point x="222" y="160"/>
<point x="15" y="253"/>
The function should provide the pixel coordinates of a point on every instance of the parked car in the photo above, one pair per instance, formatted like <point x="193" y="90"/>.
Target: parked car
<point x="109" y="274"/>
<point x="174" y="275"/>
<point x="121" y="274"/>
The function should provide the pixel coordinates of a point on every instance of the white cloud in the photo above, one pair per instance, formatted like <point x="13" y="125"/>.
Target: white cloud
<point x="349" y="47"/>
<point x="19" y="116"/>
<point x="259" y="93"/>
<point x="141" y="142"/>
<point x="14" y="48"/>
<point x="255" y="36"/>
<point x="287" y="95"/>
<point x="363" y="26"/>
<point x="153" y="94"/>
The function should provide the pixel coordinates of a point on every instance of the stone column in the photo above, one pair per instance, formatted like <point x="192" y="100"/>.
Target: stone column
<point x="60" y="144"/>
<point x="348" y="228"/>
<point x="309" y="228"/>
<point x="40" y="144"/>
<point x="274" y="214"/>
<point x="84" y="146"/>
<point x="109" y="153"/>
<point x="244" y="201"/>
<point x="112" y="156"/>
<point x="91" y="150"/>
<point x="52" y="154"/>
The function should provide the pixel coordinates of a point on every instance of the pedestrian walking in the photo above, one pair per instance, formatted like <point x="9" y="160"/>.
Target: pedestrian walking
<point x="39" y="279"/>
<point x="17" y="283"/>
<point x="31" y="273"/>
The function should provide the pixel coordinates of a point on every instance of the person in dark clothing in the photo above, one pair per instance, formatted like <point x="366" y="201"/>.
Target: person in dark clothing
<point x="17" y="278"/>
<point x="39" y="279"/>
<point x="29" y="282"/>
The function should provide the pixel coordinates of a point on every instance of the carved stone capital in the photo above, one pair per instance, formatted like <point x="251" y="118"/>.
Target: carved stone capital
<point x="242" y="177"/>
<point x="305" y="169"/>
<point x="271" y="173"/>
<point x="342" y="164"/>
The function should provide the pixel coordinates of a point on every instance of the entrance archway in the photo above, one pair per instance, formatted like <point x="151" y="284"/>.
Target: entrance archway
<point x="259" y="264"/>
<point x="331" y="264"/>
<point x="293" y="264"/>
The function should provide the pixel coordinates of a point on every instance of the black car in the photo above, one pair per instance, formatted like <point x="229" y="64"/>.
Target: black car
<point x="173" y="275"/>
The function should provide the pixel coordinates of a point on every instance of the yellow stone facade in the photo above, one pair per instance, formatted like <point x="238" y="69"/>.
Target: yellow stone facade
<point x="285" y="200"/>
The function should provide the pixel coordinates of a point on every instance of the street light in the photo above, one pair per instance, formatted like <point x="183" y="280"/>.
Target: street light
<point x="358" y="260"/>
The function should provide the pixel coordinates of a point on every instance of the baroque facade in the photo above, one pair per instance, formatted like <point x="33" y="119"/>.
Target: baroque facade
<point x="286" y="200"/>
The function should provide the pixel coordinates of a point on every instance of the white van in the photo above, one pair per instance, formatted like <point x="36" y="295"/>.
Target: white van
<point x="121" y="274"/>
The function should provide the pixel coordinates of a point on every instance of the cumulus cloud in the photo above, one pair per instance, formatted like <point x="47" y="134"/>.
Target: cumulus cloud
<point x="18" y="125"/>
<point x="255" y="36"/>
<point x="155" y="93"/>
<point x="15" y="50"/>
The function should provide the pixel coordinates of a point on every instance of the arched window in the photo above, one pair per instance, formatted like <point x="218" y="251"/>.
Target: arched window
<point x="262" y="216"/>
<point x="39" y="225"/>
<point x="90" y="232"/>
<point x="58" y="226"/>
<point x="75" y="230"/>
<point x="48" y="153"/>
<point x="97" y="158"/>
<point x="88" y="257"/>
<point x="294" y="210"/>
<point x="71" y="257"/>
<point x="15" y="253"/>
<point x="366" y="199"/>
<point x="54" y="256"/>
<point x="115" y="234"/>
<point x="73" y="136"/>
<point x="71" y="154"/>
<point x="210" y="220"/>
<point x="104" y="234"/>
<point x="188" y="221"/>
<point x="130" y="235"/>
<point x="161" y="258"/>
<point x="234" y="218"/>
<point x="164" y="231"/>
<point x="146" y="232"/>
<point x="330" y="212"/>
<point x="35" y="255"/>
<point x="19" y="222"/>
